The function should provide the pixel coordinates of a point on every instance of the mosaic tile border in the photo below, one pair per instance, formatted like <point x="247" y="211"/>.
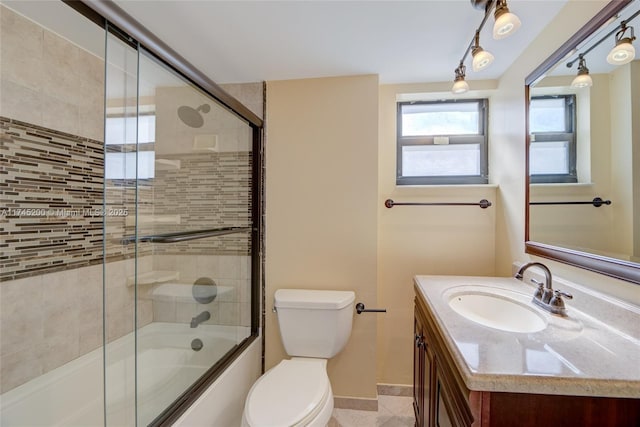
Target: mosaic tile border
<point x="50" y="198"/>
<point x="51" y="201"/>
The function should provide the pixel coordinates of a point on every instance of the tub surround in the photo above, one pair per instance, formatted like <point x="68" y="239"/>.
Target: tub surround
<point x="71" y="394"/>
<point x="592" y="352"/>
<point x="51" y="319"/>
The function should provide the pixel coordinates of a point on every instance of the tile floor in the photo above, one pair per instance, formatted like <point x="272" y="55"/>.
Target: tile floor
<point x="393" y="411"/>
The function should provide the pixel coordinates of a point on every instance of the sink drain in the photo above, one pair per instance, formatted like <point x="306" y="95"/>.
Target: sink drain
<point x="196" y="344"/>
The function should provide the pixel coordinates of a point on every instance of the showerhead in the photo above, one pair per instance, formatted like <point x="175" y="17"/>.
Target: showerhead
<point x="191" y="116"/>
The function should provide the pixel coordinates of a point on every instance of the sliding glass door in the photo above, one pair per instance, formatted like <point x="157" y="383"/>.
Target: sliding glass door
<point x="178" y="193"/>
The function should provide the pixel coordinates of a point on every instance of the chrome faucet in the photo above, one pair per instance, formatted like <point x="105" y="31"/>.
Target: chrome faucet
<point x="545" y="296"/>
<point x="202" y="317"/>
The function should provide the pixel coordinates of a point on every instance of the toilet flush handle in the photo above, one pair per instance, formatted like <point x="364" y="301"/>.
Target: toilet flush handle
<point x="361" y="309"/>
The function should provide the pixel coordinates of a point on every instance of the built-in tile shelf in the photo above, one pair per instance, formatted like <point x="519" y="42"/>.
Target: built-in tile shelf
<point x="183" y="293"/>
<point x="152" y="220"/>
<point x="153" y="277"/>
<point x="167" y="164"/>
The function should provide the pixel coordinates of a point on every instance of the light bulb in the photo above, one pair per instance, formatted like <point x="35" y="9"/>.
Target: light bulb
<point x="506" y="24"/>
<point x="622" y="53"/>
<point x="582" y="80"/>
<point x="481" y="59"/>
<point x="460" y="86"/>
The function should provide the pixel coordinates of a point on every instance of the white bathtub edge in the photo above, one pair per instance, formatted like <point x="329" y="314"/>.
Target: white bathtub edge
<point x="222" y="403"/>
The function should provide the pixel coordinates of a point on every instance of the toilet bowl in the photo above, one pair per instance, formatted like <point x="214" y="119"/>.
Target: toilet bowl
<point x="314" y="326"/>
<point x="300" y="382"/>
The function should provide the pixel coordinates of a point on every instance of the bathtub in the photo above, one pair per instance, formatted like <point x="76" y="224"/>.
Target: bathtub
<point x="72" y="395"/>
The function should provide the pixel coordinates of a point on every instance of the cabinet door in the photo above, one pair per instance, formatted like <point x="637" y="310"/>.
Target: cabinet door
<point x="428" y="385"/>
<point x="418" y="373"/>
<point x="451" y="408"/>
<point x="442" y="412"/>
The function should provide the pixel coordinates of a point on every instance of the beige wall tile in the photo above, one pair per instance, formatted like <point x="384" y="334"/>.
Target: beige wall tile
<point x="66" y="82"/>
<point x="207" y="265"/>
<point x="186" y="311"/>
<point x="20" y="102"/>
<point x="21" y="314"/>
<point x="229" y="267"/>
<point x="245" y="314"/>
<point x="145" y="313"/>
<point x="21" y="366"/>
<point x="164" y="311"/>
<point x="229" y="313"/>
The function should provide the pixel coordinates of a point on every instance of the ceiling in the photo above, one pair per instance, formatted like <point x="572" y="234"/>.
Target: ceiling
<point x="247" y="41"/>
<point x="401" y="41"/>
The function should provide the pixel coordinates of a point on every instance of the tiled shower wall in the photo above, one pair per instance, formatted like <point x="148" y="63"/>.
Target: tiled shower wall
<point x="210" y="190"/>
<point x="51" y="156"/>
<point x="51" y="271"/>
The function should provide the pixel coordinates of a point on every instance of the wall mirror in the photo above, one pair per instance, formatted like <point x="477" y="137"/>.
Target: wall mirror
<point x="583" y="148"/>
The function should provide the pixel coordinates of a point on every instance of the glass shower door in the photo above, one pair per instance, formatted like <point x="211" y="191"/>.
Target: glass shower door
<point x="180" y="165"/>
<point x="121" y="252"/>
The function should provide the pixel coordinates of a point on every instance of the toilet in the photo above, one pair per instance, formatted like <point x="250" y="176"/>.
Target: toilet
<point x="315" y="325"/>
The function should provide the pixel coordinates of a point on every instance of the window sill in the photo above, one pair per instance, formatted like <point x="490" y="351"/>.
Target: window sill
<point x="562" y="184"/>
<point x="445" y="186"/>
<point x="577" y="189"/>
<point x="447" y="192"/>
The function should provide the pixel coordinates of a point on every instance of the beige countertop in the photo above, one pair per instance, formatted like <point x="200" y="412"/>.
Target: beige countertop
<point x="594" y="351"/>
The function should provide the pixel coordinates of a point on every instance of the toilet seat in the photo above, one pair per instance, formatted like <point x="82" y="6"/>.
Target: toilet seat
<point x="292" y="393"/>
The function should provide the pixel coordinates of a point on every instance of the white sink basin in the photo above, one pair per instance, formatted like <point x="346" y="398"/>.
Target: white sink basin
<point x="497" y="311"/>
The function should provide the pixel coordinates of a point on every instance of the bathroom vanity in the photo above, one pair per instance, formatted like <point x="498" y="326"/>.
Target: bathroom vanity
<point x="488" y="368"/>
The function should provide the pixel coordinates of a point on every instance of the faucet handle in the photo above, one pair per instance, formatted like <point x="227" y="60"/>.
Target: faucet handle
<point x="540" y="291"/>
<point x="556" y="305"/>
<point x="558" y="293"/>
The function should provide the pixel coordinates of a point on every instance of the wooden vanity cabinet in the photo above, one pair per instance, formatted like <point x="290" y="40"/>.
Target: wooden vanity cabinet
<point x="441" y="398"/>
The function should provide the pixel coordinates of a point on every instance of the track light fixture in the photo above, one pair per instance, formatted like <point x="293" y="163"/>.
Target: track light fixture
<point x="506" y="22"/>
<point x="459" y="84"/>
<point x="623" y="52"/>
<point x="481" y="58"/>
<point x="583" y="79"/>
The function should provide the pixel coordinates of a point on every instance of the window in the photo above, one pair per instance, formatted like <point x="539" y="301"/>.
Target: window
<point x="442" y="142"/>
<point x="552" y="151"/>
<point x="122" y="149"/>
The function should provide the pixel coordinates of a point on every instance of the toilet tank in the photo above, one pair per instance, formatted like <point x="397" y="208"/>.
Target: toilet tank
<point x="314" y="323"/>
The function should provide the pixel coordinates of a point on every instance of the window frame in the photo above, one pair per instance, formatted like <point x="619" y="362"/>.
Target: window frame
<point x="128" y="148"/>
<point x="569" y="135"/>
<point x="482" y="139"/>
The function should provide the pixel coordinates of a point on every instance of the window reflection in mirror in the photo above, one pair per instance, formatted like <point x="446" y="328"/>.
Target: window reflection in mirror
<point x="552" y="152"/>
<point x="585" y="143"/>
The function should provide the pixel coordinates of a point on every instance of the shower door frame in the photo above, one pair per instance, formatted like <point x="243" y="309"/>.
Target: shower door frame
<point x="103" y="12"/>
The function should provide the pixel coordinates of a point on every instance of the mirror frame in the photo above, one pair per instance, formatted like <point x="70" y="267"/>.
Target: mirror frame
<point x="620" y="269"/>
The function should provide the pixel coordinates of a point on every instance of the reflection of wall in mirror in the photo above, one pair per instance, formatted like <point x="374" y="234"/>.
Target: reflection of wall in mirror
<point x="604" y="163"/>
<point x="625" y="132"/>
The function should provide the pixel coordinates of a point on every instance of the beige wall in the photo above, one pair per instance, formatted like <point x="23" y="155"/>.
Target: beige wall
<point x="635" y="135"/>
<point x="321" y="216"/>
<point x="508" y="152"/>
<point x="422" y="239"/>
<point x="622" y="158"/>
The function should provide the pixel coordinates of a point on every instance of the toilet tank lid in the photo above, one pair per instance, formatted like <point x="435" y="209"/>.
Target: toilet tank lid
<point x="314" y="299"/>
